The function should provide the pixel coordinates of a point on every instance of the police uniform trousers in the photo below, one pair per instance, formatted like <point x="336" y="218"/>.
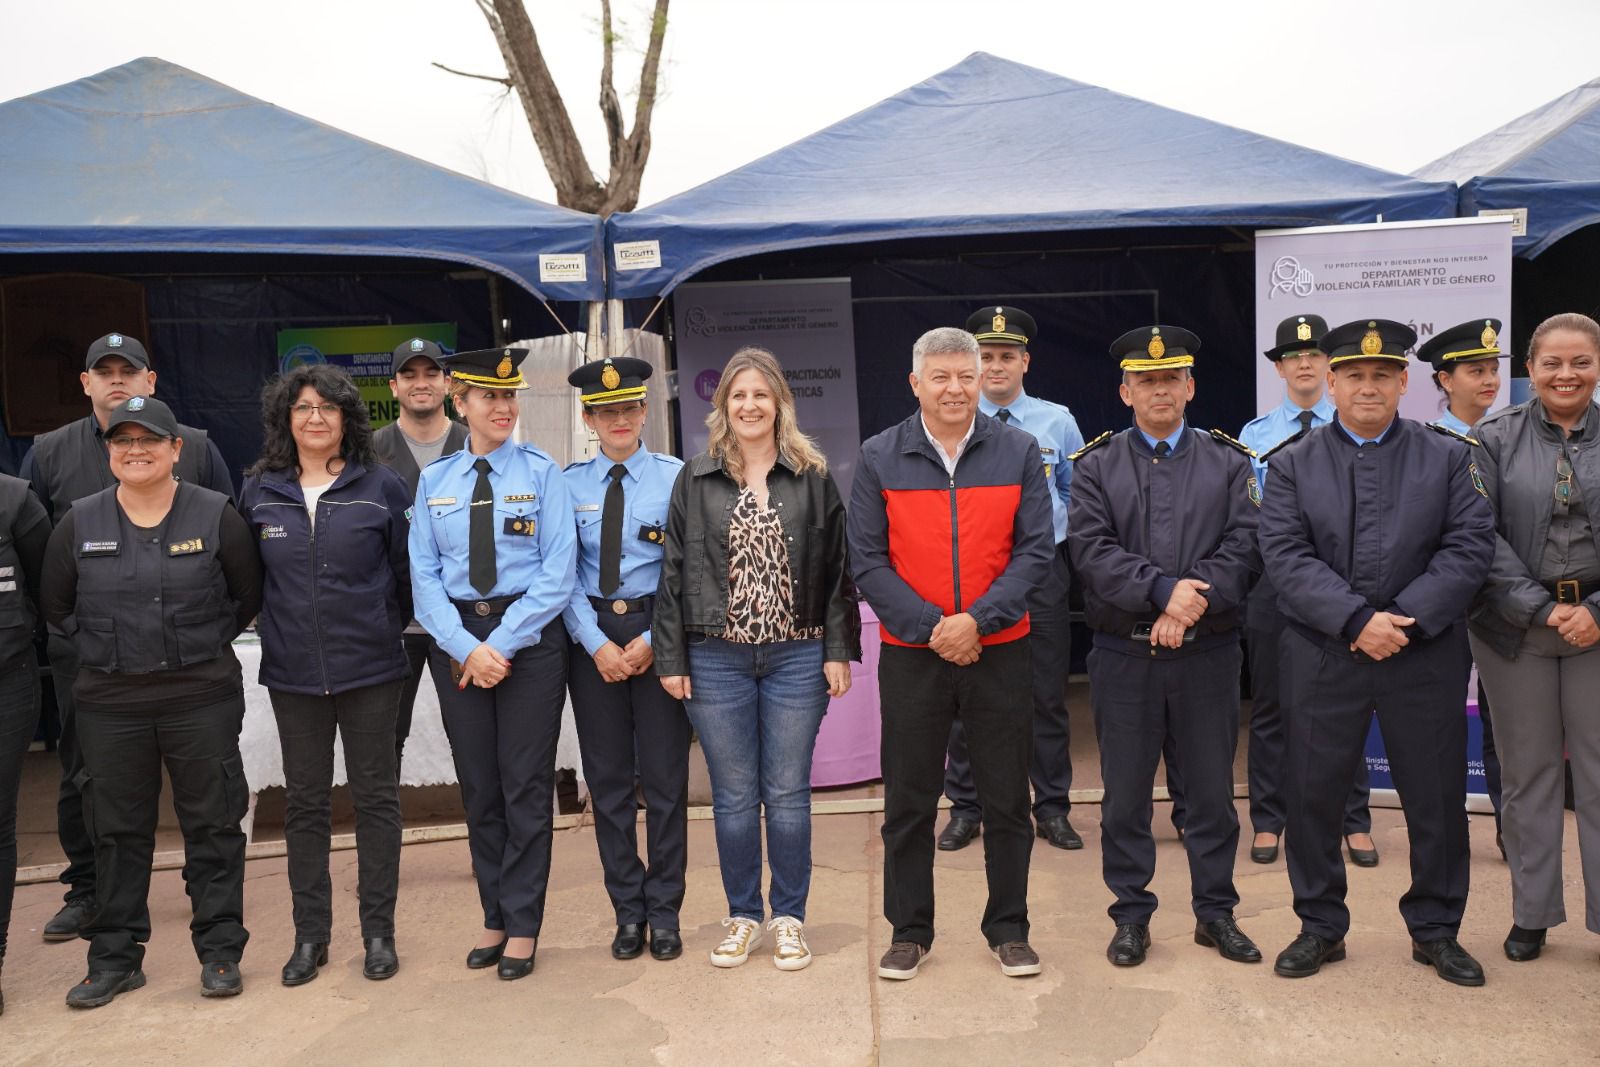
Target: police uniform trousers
<point x="124" y="753"/>
<point x="1556" y="689"/>
<point x="922" y="694"/>
<point x="626" y="729"/>
<point x="1141" y="700"/>
<point x="1418" y="695"/>
<point x="71" y="827"/>
<point x="1050" y="651"/>
<point x="418" y="649"/>
<point x="503" y="742"/>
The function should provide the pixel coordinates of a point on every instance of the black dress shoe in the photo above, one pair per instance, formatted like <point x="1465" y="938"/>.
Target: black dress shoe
<point x="303" y="963"/>
<point x="1059" y="832"/>
<point x="69" y="922"/>
<point x="382" y="961"/>
<point x="1306" y="954"/>
<point x="665" y="944"/>
<point x="1225" y="936"/>
<point x="1128" y="944"/>
<point x="479" y="958"/>
<point x="512" y="968"/>
<point x="102" y="987"/>
<point x="1361" y="857"/>
<point x="958" y="835"/>
<point x="1524" y="945"/>
<point x="220" y="979"/>
<point x="629" y="942"/>
<point x="1452" y="962"/>
<point x="1265" y="853"/>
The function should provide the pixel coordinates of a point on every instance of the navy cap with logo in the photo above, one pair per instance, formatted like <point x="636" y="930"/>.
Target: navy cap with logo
<point x="144" y="411"/>
<point x="1155" y="348"/>
<point x="489" y="368"/>
<point x="117" y="344"/>
<point x="416" y="348"/>
<point x="1382" y="339"/>
<point x="611" y="381"/>
<point x="998" y="324"/>
<point x="1297" y="333"/>
<point x="1466" y="343"/>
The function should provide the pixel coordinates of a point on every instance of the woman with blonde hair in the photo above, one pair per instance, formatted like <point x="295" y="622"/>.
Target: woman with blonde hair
<point x="755" y="625"/>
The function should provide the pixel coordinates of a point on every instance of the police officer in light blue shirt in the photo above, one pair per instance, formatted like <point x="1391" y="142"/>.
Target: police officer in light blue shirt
<point x="493" y="551"/>
<point x="1004" y="334"/>
<point x="1303" y="366"/>
<point x="629" y="727"/>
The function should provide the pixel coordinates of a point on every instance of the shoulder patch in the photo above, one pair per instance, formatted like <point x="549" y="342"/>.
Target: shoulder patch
<point x="1090" y="447"/>
<point x="1448" y="432"/>
<point x="1233" y="442"/>
<point x="1281" y="445"/>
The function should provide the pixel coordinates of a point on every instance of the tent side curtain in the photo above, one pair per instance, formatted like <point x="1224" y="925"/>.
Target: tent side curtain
<point x="1555" y="208"/>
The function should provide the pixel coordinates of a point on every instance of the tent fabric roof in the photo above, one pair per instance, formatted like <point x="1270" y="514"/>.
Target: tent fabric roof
<point x="152" y="157"/>
<point x="1547" y="161"/>
<point x="991" y="146"/>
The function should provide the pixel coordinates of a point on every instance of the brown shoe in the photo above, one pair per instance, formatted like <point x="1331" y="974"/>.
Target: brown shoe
<point x="1017" y="960"/>
<point x="902" y="960"/>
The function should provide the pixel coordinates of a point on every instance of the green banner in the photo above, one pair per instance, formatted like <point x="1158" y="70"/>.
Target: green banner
<point x="365" y="352"/>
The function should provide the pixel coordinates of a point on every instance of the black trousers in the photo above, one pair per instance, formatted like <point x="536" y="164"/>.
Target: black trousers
<point x="19" y="720"/>
<point x="364" y="720"/>
<point x="1140" y="703"/>
<point x="633" y="730"/>
<point x="1417" y="695"/>
<point x="71" y="826"/>
<point x="503" y="741"/>
<point x="921" y="695"/>
<point x="417" y="650"/>
<point x="1050" y="652"/>
<point x="124" y="754"/>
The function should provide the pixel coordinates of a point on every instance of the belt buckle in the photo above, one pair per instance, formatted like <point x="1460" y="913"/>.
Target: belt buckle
<point x="1567" y="591"/>
<point x="619" y="607"/>
<point x="481" y="608"/>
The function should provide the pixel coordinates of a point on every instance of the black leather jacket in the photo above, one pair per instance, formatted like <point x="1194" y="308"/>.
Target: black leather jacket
<point x="692" y="595"/>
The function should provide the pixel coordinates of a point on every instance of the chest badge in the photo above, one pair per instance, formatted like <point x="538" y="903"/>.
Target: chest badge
<point x="654" y="534"/>
<point x="522" y="526"/>
<point x="519" y="498"/>
<point x="186" y="548"/>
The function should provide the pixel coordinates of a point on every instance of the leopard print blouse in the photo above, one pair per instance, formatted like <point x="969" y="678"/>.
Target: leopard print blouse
<point x="760" y="589"/>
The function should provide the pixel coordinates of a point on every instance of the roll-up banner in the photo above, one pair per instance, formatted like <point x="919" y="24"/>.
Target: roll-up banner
<point x="1430" y="275"/>
<point x="805" y="323"/>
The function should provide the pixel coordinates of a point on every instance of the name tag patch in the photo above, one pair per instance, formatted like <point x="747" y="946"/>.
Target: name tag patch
<point x="186" y="548"/>
<point x="519" y="498"/>
<point x="587" y="507"/>
<point x="100" y="548"/>
<point x="8" y="587"/>
<point x="272" y="533"/>
<point x="8" y="572"/>
<point x="521" y="527"/>
<point x="440" y="501"/>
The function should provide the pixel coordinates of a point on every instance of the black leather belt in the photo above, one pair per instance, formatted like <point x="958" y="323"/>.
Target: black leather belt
<point x="483" y="609"/>
<point x="1572" y="590"/>
<point x="621" y="607"/>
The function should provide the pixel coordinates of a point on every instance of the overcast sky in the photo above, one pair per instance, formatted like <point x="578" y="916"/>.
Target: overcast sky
<point x="1393" y="83"/>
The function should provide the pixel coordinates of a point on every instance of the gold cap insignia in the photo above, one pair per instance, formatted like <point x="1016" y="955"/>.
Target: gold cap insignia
<point x="1489" y="339"/>
<point x="1157" y="347"/>
<point x="503" y="368"/>
<point x="999" y="324"/>
<point x="609" y="376"/>
<point x="1303" y="331"/>
<point x="1371" y="343"/>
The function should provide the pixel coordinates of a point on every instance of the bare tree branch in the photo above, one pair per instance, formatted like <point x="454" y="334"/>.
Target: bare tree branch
<point x="481" y="77"/>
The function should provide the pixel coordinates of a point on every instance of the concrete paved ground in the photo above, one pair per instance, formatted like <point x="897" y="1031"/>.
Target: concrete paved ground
<point x="1184" y="1006"/>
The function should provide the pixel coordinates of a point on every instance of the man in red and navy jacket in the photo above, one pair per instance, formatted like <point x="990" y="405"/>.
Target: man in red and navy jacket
<point x="950" y="527"/>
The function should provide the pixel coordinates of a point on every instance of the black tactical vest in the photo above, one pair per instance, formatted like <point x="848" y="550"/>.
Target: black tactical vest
<point x="16" y="614"/>
<point x="70" y="462"/>
<point x="150" y="600"/>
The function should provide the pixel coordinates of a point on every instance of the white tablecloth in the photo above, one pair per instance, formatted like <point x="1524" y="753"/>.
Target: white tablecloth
<point x="427" y="757"/>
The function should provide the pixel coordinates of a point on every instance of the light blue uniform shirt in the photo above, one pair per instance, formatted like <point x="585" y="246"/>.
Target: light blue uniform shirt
<point x="527" y="486"/>
<point x="1053" y="426"/>
<point x="1172" y="440"/>
<point x="1360" y="441"/>
<point x="1450" y="422"/>
<point x="1271" y="429"/>
<point x="646" y="490"/>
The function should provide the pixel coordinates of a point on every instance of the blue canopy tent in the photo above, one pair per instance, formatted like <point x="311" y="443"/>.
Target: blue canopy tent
<point x="993" y="179"/>
<point x="242" y="218"/>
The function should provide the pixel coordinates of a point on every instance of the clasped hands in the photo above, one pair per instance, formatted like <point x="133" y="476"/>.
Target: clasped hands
<point x="1184" y="608"/>
<point x="618" y="664"/>
<point x="484" y="668"/>
<point x="1575" y="623"/>
<point x="956" y="639"/>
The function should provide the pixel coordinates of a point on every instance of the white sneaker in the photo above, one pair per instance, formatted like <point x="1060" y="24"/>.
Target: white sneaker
<point x="742" y="936"/>
<point x="790" y="953"/>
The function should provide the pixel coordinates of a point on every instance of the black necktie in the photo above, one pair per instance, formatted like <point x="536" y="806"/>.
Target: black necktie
<point x="1003" y="415"/>
<point x="1305" y="421"/>
<point x="1162" y="448"/>
<point x="611" y="533"/>
<point x="480" y="532"/>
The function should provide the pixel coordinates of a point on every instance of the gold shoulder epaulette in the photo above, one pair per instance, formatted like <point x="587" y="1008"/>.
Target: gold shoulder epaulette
<point x="1234" y="442"/>
<point x="1448" y="432"/>
<point x="1090" y="447"/>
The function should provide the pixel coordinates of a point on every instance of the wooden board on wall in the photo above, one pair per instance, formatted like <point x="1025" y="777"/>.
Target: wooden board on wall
<point x="46" y="324"/>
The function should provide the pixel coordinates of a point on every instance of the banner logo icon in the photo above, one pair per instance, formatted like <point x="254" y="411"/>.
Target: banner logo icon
<point x="1290" y="278"/>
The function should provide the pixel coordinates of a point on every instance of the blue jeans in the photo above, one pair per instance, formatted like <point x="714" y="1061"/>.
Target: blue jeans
<point x="756" y="709"/>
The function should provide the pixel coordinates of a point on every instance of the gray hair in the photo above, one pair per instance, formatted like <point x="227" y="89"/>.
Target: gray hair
<point x="946" y="340"/>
